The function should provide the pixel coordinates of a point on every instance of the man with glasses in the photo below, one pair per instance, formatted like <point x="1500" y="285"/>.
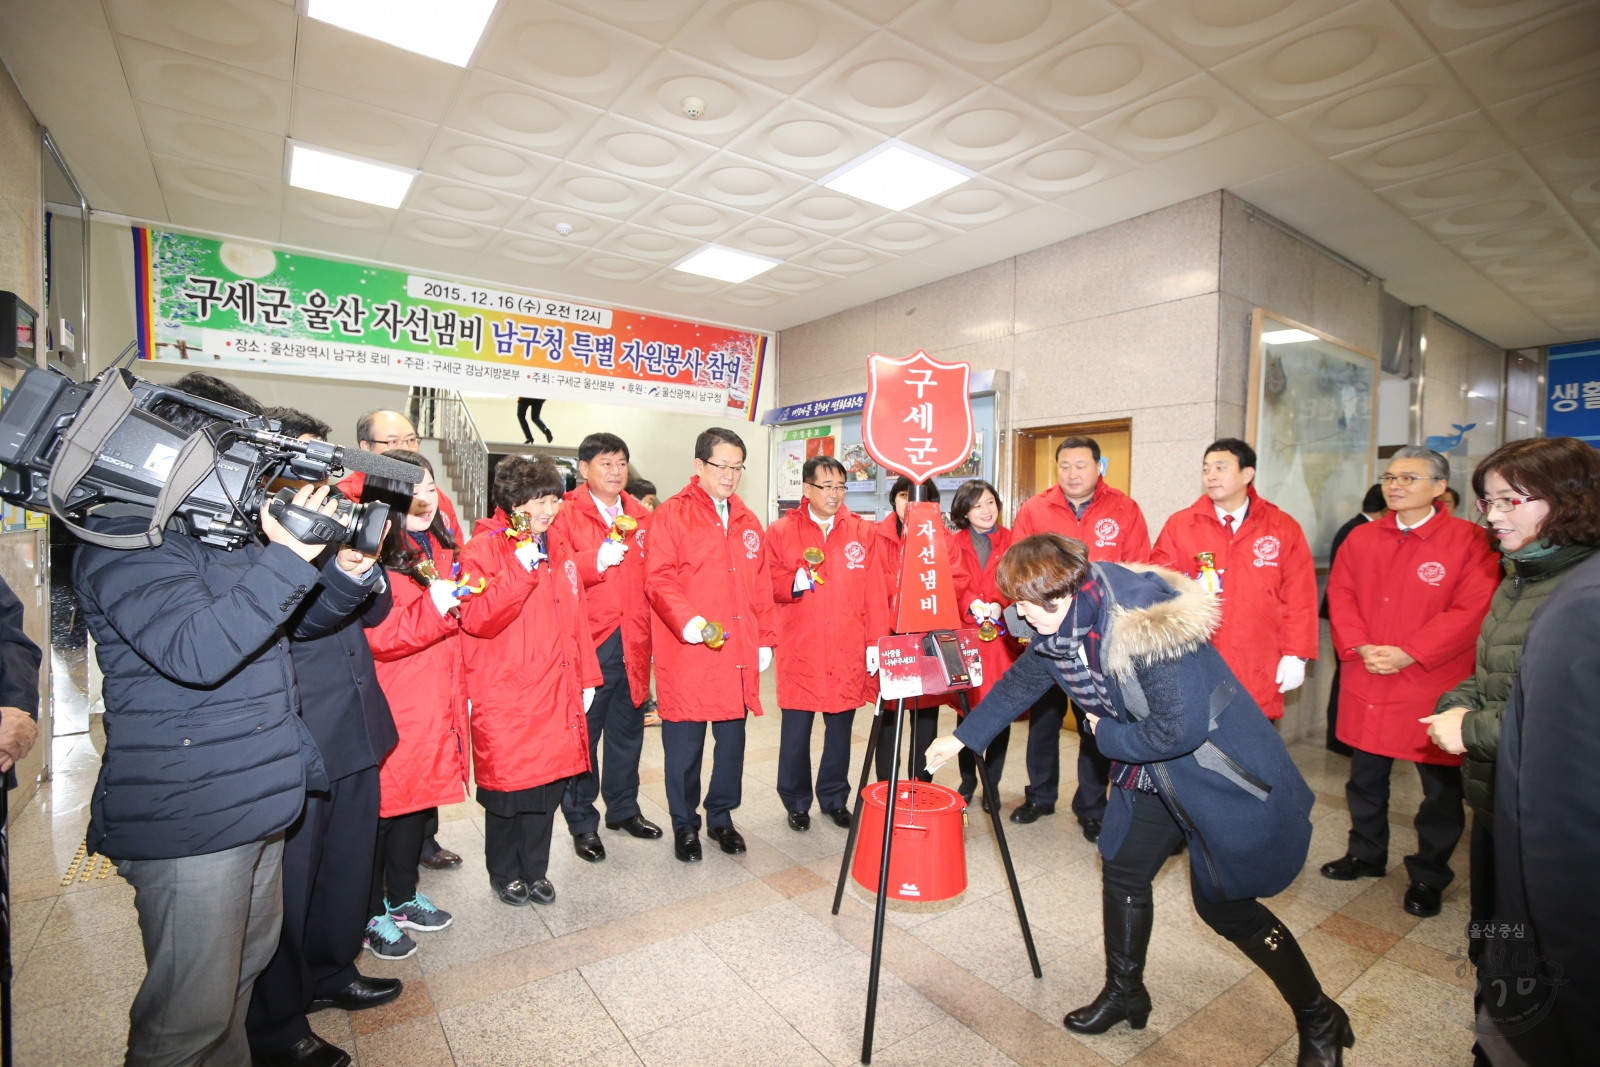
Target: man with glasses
<point x="828" y="627"/>
<point x="378" y="431"/>
<point x="712" y="632"/>
<point x="1405" y="599"/>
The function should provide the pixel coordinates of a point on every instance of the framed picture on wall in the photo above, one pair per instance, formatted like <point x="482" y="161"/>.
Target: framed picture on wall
<point x="1311" y="417"/>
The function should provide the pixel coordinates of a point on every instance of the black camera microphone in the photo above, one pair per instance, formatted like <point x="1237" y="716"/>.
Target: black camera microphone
<point x="372" y="464"/>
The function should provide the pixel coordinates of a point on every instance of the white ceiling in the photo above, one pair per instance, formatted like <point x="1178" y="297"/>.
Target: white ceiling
<point x="1451" y="146"/>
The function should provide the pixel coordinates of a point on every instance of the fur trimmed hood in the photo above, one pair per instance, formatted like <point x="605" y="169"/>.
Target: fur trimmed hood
<point x="1152" y="623"/>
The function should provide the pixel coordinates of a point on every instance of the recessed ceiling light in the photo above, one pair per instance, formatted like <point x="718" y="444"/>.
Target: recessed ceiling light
<point x="443" y="29"/>
<point x="324" y="171"/>
<point x="1287" y="337"/>
<point x="725" y="264"/>
<point x="896" y="175"/>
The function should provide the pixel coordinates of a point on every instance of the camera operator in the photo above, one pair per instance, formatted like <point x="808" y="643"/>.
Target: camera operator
<point x="19" y="689"/>
<point x="327" y="851"/>
<point x="206" y="761"/>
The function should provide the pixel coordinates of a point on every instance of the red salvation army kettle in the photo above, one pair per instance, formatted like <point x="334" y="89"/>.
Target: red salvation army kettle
<point x="929" y="858"/>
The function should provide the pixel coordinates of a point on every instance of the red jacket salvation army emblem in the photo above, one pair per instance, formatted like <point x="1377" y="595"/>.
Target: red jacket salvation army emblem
<point x="918" y="420"/>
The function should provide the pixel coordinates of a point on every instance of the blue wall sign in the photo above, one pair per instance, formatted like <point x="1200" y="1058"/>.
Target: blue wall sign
<point x="1572" y="392"/>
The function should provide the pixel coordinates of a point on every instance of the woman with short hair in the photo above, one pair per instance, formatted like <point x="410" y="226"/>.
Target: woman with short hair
<point x="1193" y="758"/>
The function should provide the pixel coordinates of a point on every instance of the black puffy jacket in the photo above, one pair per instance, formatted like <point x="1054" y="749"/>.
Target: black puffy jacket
<point x="205" y="749"/>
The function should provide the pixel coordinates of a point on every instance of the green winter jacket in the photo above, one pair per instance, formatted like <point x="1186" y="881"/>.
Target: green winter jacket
<point x="1524" y="588"/>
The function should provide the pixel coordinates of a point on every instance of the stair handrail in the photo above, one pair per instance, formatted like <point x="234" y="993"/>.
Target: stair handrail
<point x="443" y="414"/>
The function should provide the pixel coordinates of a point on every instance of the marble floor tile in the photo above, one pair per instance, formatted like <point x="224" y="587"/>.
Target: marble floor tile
<point x="70" y="969"/>
<point x="108" y="908"/>
<point x="1400" y="1016"/>
<point x="483" y="926"/>
<point x="663" y="983"/>
<point x="827" y="1005"/>
<point x="984" y="939"/>
<point x="740" y="1034"/>
<point x="945" y="1043"/>
<point x="554" y="1021"/>
<point x="417" y="1043"/>
<point x="86" y="1031"/>
<point x="771" y="944"/>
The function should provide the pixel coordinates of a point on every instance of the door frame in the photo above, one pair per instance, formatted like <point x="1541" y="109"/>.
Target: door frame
<point x="1023" y="467"/>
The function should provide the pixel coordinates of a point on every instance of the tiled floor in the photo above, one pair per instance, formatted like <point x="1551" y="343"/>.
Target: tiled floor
<point x="646" y="961"/>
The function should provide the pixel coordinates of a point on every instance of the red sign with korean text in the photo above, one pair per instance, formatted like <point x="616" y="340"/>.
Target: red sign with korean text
<point x="927" y="593"/>
<point x="918" y="419"/>
<point x="906" y="670"/>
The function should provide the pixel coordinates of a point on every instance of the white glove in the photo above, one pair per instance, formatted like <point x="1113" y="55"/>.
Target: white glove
<point x="802" y="581"/>
<point x="765" y="657"/>
<point x="529" y="555"/>
<point x="994" y="610"/>
<point x="872" y="659"/>
<point x="611" y="553"/>
<point x="588" y="698"/>
<point x="978" y="609"/>
<point x="694" y="633"/>
<point x="443" y="595"/>
<point x="1291" y="673"/>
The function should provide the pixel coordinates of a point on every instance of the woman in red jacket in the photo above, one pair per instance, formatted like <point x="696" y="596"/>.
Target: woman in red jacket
<point x="531" y="673"/>
<point x="418" y="654"/>
<point x="980" y="541"/>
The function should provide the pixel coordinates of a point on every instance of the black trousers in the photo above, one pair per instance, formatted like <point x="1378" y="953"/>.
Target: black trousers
<point x="516" y="842"/>
<point x="1127" y="876"/>
<point x="1333" y="742"/>
<point x="924" y="728"/>
<point x="327" y="877"/>
<point x="794" y="760"/>
<point x="1480" y="865"/>
<point x="994" y="757"/>
<point x="394" y="864"/>
<point x="1440" y="820"/>
<point x="530" y="406"/>
<point x="683" y="746"/>
<point x="614" y="718"/>
<point x="1044" y="760"/>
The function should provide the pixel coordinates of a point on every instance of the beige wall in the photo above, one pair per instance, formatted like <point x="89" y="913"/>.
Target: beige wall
<point x="23" y="556"/>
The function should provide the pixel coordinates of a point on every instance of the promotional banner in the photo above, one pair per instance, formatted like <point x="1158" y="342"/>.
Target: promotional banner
<point x="207" y="302"/>
<point x="1572" y="405"/>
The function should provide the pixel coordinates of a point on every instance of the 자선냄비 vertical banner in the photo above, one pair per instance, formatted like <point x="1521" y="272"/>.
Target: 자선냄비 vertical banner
<point x="207" y="302"/>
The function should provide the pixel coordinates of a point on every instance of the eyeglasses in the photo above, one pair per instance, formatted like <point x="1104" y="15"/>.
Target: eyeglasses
<point x="408" y="441"/>
<point x="831" y="487"/>
<point x="737" y="468"/>
<point x="1503" y="504"/>
<point x="1404" y="481"/>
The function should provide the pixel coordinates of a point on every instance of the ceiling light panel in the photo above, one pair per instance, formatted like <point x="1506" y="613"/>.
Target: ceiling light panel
<point x="725" y="264"/>
<point x="896" y="175"/>
<point x="447" y="30"/>
<point x="350" y="177"/>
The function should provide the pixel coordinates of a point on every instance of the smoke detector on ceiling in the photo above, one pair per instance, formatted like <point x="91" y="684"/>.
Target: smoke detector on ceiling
<point x="563" y="228"/>
<point x="693" y="106"/>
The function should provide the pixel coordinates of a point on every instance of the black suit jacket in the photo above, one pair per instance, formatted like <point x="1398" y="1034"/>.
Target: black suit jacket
<point x="340" y="699"/>
<point x="19" y="663"/>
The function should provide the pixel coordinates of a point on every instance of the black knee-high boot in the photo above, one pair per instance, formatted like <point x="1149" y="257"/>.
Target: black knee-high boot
<point x="1124" y="996"/>
<point x="1324" y="1027"/>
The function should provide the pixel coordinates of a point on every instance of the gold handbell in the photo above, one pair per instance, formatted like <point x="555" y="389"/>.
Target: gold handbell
<point x="813" y="558"/>
<point x="426" y="572"/>
<point x="987" y="630"/>
<point x="621" y="527"/>
<point x="714" y="634"/>
<point x="519" y="526"/>
<point x="1208" y="577"/>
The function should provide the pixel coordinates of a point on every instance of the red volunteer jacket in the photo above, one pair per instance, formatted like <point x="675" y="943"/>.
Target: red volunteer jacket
<point x="890" y="546"/>
<point x="421" y="670"/>
<point x="1426" y="591"/>
<point x="823" y="634"/>
<point x="998" y="655"/>
<point x="1112" y="525"/>
<point x="529" y="659"/>
<point x="352" y="484"/>
<point x="1269" y="588"/>
<point x="695" y="567"/>
<point x="615" y="598"/>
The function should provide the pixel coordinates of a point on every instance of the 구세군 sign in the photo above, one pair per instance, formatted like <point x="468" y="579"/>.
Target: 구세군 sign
<point x="207" y="302"/>
<point x="918" y="419"/>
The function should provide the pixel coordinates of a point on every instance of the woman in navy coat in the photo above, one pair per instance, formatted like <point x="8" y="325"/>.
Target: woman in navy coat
<point x="1194" y="758"/>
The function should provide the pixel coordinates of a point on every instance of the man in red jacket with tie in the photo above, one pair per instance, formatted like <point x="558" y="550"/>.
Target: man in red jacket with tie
<point x="712" y="631"/>
<point x="605" y="527"/>
<point x="830" y="617"/>
<point x="1084" y="507"/>
<point x="1406" y="598"/>
<point x="1256" y="556"/>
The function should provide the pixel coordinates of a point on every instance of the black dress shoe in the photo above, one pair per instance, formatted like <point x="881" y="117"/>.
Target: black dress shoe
<point x="440" y="859"/>
<point x="308" y="1052"/>
<point x="364" y="992"/>
<point x="589" y="847"/>
<point x="1347" y="869"/>
<point x="798" y="820"/>
<point x="1091" y="829"/>
<point x="728" y="838"/>
<point x="686" y="845"/>
<point x="840" y="817"/>
<point x="638" y="826"/>
<point x="542" y="892"/>
<point x="1028" y="811"/>
<point x="1423" y="900"/>
<point x="514" y="893"/>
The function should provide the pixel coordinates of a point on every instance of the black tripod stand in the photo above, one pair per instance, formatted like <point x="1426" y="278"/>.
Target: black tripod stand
<point x="990" y="795"/>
